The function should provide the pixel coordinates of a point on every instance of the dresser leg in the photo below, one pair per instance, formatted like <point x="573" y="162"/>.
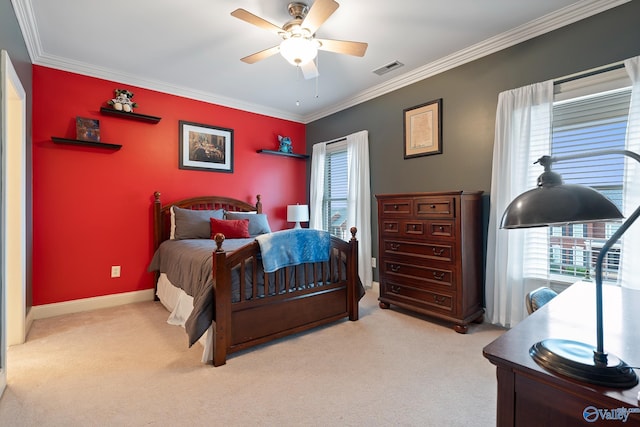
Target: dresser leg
<point x="461" y="329"/>
<point x="384" y="305"/>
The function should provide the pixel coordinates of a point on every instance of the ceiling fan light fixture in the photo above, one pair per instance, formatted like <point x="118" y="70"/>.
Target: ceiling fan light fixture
<point x="298" y="50"/>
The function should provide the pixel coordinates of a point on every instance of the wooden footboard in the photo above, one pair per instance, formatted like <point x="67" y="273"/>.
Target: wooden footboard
<point x="316" y="294"/>
<point x="321" y="293"/>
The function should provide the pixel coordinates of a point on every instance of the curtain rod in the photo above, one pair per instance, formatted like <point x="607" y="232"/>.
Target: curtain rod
<point x="336" y="140"/>
<point x="589" y="73"/>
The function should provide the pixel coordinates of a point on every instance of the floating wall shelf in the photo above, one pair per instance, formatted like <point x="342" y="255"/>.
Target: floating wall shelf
<point x="94" y="144"/>
<point x="130" y="116"/>
<point x="280" y="153"/>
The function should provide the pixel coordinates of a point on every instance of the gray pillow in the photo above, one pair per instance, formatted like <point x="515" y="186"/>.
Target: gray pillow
<point x="258" y="223"/>
<point x="194" y="224"/>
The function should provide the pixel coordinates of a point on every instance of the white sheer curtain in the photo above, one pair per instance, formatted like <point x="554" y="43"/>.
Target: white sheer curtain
<point x="359" y="200"/>
<point x="358" y="196"/>
<point x="316" y="192"/>
<point x="523" y="134"/>
<point x="630" y="267"/>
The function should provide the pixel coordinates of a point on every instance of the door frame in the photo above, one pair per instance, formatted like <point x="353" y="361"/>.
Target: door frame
<point x="12" y="211"/>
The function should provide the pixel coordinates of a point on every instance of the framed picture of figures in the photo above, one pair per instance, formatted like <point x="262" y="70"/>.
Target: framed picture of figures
<point x="205" y="147"/>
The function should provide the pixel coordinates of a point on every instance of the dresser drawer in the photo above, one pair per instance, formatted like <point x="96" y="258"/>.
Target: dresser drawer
<point x="441" y="229"/>
<point x="418" y="228"/>
<point x="390" y="227"/>
<point x="435" y="207"/>
<point x="433" y="300"/>
<point x="396" y="207"/>
<point x="419" y="250"/>
<point x="427" y="275"/>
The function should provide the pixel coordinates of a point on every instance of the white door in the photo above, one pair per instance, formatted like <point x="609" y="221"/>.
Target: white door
<point x="12" y="209"/>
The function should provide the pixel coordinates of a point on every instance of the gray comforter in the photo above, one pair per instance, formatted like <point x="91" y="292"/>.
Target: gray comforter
<point x="188" y="265"/>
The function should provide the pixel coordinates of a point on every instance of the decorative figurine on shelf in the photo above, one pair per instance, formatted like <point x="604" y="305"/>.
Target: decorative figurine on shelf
<point x="285" y="144"/>
<point x="122" y="101"/>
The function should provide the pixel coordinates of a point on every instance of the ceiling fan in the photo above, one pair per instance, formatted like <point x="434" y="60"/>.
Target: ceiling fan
<point x="299" y="45"/>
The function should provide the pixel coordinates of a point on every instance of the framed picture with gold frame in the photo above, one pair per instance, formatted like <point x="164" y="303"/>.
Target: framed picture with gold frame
<point x="423" y="129"/>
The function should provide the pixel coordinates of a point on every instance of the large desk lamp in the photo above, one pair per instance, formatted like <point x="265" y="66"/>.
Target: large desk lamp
<point x="555" y="203"/>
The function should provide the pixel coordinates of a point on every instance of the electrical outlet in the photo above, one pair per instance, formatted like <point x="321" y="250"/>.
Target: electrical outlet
<point x="374" y="263"/>
<point x="115" y="271"/>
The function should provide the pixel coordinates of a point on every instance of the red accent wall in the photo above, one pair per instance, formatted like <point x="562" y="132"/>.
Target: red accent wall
<point x="92" y="207"/>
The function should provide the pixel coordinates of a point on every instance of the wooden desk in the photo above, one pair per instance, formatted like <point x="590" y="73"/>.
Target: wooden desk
<point x="529" y="395"/>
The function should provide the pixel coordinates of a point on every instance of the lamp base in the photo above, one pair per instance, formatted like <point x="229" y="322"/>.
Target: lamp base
<point x="576" y="360"/>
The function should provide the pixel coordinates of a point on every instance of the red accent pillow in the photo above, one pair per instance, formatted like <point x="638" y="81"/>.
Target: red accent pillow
<point x="231" y="228"/>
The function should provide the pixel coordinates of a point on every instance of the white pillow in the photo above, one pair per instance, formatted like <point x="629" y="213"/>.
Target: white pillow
<point x="172" y="235"/>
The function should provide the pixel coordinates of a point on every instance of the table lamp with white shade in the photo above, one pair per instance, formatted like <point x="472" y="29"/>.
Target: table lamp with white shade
<point x="297" y="214"/>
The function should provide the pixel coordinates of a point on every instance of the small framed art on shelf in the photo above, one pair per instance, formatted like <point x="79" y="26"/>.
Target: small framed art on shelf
<point x="87" y="129"/>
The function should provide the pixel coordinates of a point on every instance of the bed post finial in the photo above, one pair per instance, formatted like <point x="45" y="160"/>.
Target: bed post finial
<point x="353" y="231"/>
<point x="259" y="203"/>
<point x="156" y="196"/>
<point x="219" y="238"/>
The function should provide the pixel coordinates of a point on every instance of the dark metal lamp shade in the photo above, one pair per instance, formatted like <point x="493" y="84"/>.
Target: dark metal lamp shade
<point x="557" y="205"/>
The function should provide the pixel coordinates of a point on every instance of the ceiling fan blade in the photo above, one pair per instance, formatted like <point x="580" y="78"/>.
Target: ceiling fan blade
<point x="309" y="70"/>
<point x="256" y="20"/>
<point x="259" y="56"/>
<point x="320" y="11"/>
<point x="341" y="46"/>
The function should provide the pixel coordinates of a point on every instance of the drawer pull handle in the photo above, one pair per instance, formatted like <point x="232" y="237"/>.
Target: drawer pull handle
<point x="438" y="252"/>
<point x="390" y="226"/>
<point x="432" y="206"/>
<point x="438" y="275"/>
<point x="441" y="228"/>
<point x="414" y="226"/>
<point x="395" y="207"/>
<point x="395" y="268"/>
<point x="439" y="299"/>
<point x="395" y="289"/>
<point x="395" y="246"/>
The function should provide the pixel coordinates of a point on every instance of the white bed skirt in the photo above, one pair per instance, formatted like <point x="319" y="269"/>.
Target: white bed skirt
<point x="180" y="305"/>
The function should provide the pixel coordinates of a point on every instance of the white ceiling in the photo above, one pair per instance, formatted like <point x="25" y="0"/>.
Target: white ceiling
<point x="193" y="48"/>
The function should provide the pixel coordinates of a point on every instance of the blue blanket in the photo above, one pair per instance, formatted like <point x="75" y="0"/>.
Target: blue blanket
<point x="294" y="246"/>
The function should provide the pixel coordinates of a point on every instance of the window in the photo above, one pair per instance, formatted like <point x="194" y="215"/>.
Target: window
<point x="334" y="200"/>
<point x="591" y="122"/>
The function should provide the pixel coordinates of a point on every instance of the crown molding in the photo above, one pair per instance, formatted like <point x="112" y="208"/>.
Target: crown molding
<point x="565" y="16"/>
<point x="560" y="18"/>
<point x="27" y="22"/>
<point x="160" y="86"/>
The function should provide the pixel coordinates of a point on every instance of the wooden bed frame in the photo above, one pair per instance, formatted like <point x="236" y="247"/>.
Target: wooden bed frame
<point x="250" y="322"/>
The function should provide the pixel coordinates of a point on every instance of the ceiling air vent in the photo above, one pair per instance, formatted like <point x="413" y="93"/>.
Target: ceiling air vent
<point x="389" y="67"/>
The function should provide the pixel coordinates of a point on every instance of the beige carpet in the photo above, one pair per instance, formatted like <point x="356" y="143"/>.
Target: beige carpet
<point x="126" y="366"/>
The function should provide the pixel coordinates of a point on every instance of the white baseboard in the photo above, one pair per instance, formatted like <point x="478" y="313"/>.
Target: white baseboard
<point x="87" y="304"/>
<point x="76" y="306"/>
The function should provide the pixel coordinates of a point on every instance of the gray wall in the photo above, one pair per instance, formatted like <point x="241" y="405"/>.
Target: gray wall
<point x="470" y="96"/>
<point x="12" y="41"/>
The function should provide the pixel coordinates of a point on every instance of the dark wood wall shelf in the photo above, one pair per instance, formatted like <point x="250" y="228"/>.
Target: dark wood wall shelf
<point x="130" y="116"/>
<point x="280" y="153"/>
<point x="94" y="144"/>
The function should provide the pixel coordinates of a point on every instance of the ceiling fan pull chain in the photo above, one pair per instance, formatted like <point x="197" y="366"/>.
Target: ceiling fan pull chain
<point x="299" y="73"/>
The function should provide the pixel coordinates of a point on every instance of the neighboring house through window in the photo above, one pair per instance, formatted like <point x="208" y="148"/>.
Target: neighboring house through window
<point x="594" y="120"/>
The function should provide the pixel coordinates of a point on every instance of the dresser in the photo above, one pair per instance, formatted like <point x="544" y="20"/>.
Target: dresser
<point x="430" y="254"/>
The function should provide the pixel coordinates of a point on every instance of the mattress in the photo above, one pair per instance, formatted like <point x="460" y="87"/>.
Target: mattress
<point x="180" y="306"/>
